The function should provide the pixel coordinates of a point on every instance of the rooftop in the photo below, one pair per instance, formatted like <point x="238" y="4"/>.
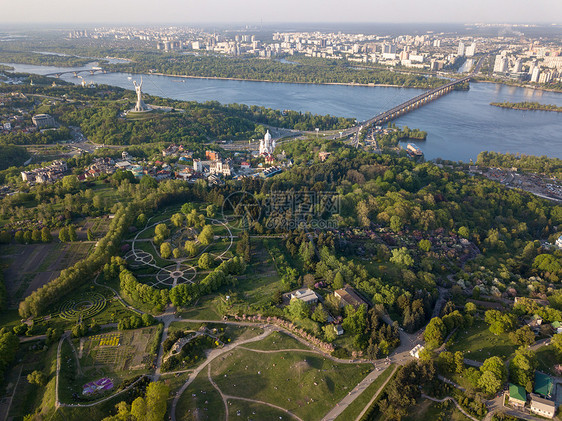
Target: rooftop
<point x="517" y="392"/>
<point x="349" y="296"/>
<point x="543" y="384"/>
<point x="544" y="404"/>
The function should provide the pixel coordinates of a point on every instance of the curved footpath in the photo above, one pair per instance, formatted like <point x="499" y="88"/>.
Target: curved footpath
<point x="449" y="398"/>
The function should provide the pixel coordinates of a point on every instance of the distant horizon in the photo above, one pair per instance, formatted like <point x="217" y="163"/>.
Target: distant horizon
<point x="191" y="12"/>
<point x="269" y="23"/>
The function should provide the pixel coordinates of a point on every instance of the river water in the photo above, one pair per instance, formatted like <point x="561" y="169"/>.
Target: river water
<point x="459" y="125"/>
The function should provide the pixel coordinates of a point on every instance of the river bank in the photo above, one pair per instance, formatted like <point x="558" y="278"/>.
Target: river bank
<point x="480" y="79"/>
<point x="365" y="85"/>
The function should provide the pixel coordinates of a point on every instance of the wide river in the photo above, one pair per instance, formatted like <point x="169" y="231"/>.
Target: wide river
<point x="459" y="125"/>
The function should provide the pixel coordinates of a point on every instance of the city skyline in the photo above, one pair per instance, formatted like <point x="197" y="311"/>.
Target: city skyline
<point x="253" y="11"/>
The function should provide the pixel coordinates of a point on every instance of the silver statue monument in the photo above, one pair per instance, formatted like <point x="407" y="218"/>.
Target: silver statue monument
<point x="141" y="106"/>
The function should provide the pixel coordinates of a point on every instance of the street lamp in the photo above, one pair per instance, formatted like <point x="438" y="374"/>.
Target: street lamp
<point x="317" y="130"/>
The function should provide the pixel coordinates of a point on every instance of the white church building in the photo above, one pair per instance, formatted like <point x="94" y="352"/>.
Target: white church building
<point x="267" y="145"/>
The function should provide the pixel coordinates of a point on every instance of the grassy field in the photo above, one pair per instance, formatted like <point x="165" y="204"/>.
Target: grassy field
<point x="353" y="410"/>
<point x="307" y="384"/>
<point x="277" y="340"/>
<point x="478" y="343"/>
<point x="203" y="310"/>
<point x="546" y="359"/>
<point x="200" y="402"/>
<point x="245" y="410"/>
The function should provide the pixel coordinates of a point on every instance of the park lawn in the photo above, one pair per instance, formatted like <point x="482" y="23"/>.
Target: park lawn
<point x="306" y="384"/>
<point x="277" y="341"/>
<point x="174" y="382"/>
<point x="200" y="401"/>
<point x="429" y="410"/>
<point x="145" y="234"/>
<point x="546" y="359"/>
<point x="204" y="309"/>
<point x="355" y="408"/>
<point x="478" y="343"/>
<point x="254" y="411"/>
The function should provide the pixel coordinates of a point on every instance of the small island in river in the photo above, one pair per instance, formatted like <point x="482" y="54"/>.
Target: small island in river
<point x="527" y="106"/>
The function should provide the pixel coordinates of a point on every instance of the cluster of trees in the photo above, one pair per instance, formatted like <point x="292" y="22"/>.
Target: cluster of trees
<point x="526" y="106"/>
<point x="414" y="310"/>
<point x="449" y="362"/>
<point x="82" y="328"/>
<point x="528" y="306"/>
<point x="144" y="294"/>
<point x="379" y="338"/>
<point x="308" y="70"/>
<point x="3" y="293"/>
<point x="36" y="138"/>
<point x="9" y="345"/>
<point x="500" y="322"/>
<point x="68" y="234"/>
<point x="184" y="294"/>
<point x="244" y="247"/>
<point x="151" y="407"/>
<point x="549" y="266"/>
<point x="493" y="375"/>
<point x="27" y="236"/>
<point x="522" y="368"/>
<point x="135" y="321"/>
<point x="391" y="139"/>
<point x="439" y="328"/>
<point x="11" y="156"/>
<point x="538" y="164"/>
<point x="190" y="353"/>
<point x="404" y="389"/>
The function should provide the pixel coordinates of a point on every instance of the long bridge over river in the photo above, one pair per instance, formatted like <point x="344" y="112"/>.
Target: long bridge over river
<point x="411" y="104"/>
<point x="415" y="102"/>
<point x="77" y="72"/>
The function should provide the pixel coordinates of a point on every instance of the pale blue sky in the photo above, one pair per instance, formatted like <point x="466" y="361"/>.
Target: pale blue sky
<point x="252" y="11"/>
